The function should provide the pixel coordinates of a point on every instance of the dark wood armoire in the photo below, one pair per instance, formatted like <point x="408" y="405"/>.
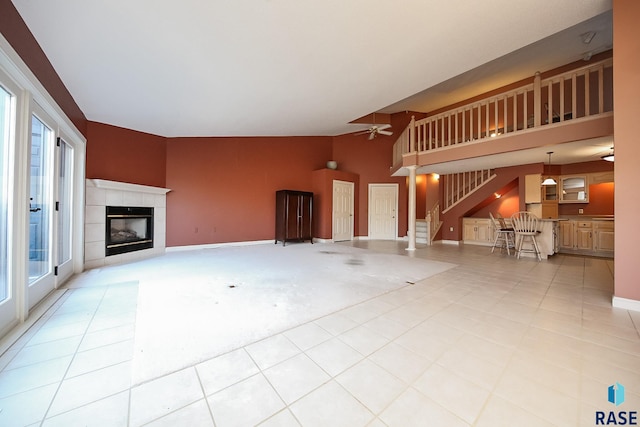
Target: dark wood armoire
<point x="294" y="216"/>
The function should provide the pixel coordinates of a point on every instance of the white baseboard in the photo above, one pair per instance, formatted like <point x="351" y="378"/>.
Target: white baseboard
<point x="217" y="245"/>
<point x="450" y="242"/>
<point x="625" y="303"/>
<point x="319" y="240"/>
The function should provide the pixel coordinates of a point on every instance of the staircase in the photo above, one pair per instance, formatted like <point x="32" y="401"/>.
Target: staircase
<point x="426" y="229"/>
<point x="459" y="186"/>
<point x="422" y="231"/>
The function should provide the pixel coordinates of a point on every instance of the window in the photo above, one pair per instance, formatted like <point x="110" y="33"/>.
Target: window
<point x="6" y="113"/>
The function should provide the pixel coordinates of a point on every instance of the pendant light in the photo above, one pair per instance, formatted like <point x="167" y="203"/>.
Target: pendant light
<point x="608" y="157"/>
<point x="549" y="180"/>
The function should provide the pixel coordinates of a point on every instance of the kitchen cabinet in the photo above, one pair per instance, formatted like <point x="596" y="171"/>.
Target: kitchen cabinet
<point x="573" y="189"/>
<point x="587" y="237"/>
<point x="584" y="236"/>
<point x="477" y="231"/>
<point x="566" y="235"/>
<point x="604" y="233"/>
<point x="541" y="200"/>
<point x="532" y="193"/>
<point x="294" y="215"/>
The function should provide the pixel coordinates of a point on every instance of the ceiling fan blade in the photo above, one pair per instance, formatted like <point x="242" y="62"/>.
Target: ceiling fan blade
<point x="381" y="127"/>
<point x="385" y="132"/>
<point x="362" y="133"/>
<point x="372" y="135"/>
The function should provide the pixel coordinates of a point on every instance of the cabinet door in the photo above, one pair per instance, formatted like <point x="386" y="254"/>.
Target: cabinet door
<point x="532" y="192"/>
<point x="483" y="231"/>
<point x="573" y="189"/>
<point x="468" y="230"/>
<point x="566" y="234"/>
<point x="291" y="226"/>
<point x="604" y="241"/>
<point x="584" y="239"/>
<point x="305" y="215"/>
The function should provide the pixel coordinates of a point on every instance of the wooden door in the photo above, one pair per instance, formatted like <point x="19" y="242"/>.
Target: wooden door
<point x="566" y="234"/>
<point x="305" y="212"/>
<point x="292" y="208"/>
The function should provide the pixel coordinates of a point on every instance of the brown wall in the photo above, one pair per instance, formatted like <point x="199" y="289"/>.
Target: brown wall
<point x="506" y="181"/>
<point x="119" y="154"/>
<point x="626" y="63"/>
<point x="223" y="189"/>
<point x="601" y="200"/>
<point x="371" y="160"/>
<point x="20" y="38"/>
<point x="322" y="181"/>
<point x="506" y="205"/>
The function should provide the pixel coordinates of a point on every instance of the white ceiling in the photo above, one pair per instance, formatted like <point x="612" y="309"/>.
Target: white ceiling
<point x="291" y="67"/>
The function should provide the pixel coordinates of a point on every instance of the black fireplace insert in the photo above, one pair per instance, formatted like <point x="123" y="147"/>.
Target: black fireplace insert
<point x="128" y="229"/>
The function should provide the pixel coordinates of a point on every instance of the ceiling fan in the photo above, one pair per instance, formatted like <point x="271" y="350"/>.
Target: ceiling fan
<point x="376" y="130"/>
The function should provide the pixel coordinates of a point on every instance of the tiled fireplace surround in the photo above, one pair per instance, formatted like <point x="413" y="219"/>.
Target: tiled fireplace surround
<point x="101" y="193"/>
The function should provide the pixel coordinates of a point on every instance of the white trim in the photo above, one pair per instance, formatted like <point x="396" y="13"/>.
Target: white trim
<point x="24" y="77"/>
<point x="625" y="303"/>
<point x="450" y="242"/>
<point x="217" y="245"/>
<point x="319" y="240"/>
<point x="125" y="186"/>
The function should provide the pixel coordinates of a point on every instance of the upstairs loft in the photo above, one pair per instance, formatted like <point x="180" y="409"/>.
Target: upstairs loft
<point x="566" y="107"/>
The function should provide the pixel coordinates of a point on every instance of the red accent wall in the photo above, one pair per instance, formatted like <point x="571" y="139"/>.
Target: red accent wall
<point x="505" y="182"/>
<point x="322" y="181"/>
<point x="223" y="189"/>
<point x="119" y="154"/>
<point x="21" y="39"/>
<point x="600" y="195"/>
<point x="371" y="160"/>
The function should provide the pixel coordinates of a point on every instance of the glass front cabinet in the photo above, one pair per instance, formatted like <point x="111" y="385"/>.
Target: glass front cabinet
<point x="573" y="189"/>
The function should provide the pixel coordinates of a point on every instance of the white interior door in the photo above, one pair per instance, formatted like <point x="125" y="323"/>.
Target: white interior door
<point x="383" y="209"/>
<point x="342" y="217"/>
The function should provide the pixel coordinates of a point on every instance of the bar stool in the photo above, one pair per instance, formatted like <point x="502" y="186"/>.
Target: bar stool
<point x="505" y="237"/>
<point x="525" y="226"/>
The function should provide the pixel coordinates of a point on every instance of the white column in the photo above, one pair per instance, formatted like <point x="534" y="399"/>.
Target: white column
<point x="412" y="208"/>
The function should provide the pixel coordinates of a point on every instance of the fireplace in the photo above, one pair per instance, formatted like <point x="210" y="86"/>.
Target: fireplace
<point x="128" y="229"/>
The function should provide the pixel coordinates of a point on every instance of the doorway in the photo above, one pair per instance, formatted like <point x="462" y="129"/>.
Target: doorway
<point x="342" y="215"/>
<point x="383" y="209"/>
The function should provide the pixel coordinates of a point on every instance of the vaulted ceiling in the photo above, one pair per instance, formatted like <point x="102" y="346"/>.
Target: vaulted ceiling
<point x="291" y="67"/>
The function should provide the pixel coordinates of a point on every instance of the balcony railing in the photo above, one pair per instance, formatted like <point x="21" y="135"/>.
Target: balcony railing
<point x="579" y="93"/>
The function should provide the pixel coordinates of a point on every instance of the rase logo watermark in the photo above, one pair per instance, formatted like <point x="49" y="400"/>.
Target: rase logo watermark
<point x="615" y="396"/>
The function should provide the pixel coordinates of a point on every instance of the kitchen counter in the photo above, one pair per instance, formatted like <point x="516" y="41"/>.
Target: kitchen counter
<point x="589" y="217"/>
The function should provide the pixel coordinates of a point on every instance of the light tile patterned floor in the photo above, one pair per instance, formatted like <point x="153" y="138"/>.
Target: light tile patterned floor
<point x="493" y="342"/>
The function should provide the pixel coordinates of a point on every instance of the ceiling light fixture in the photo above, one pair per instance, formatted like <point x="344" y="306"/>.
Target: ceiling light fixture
<point x="587" y="37"/>
<point x="549" y="180"/>
<point x="608" y="157"/>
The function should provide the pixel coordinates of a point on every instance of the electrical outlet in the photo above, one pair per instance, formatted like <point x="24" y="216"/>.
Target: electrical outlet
<point x="580" y="211"/>
<point x="450" y="228"/>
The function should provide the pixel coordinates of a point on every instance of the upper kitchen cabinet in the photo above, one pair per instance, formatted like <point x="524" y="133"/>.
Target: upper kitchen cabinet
<point x="573" y="189"/>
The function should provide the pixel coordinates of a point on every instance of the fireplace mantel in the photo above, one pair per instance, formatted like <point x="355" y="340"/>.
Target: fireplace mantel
<point x="101" y="193"/>
<point x="125" y="186"/>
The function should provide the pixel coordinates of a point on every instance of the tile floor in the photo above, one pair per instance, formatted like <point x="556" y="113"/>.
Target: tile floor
<point x="493" y="342"/>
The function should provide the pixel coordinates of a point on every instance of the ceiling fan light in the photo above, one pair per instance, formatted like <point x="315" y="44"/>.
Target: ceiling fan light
<point x="608" y="157"/>
<point x="549" y="181"/>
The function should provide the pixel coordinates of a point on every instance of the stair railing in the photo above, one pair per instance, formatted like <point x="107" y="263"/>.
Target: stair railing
<point x="579" y="93"/>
